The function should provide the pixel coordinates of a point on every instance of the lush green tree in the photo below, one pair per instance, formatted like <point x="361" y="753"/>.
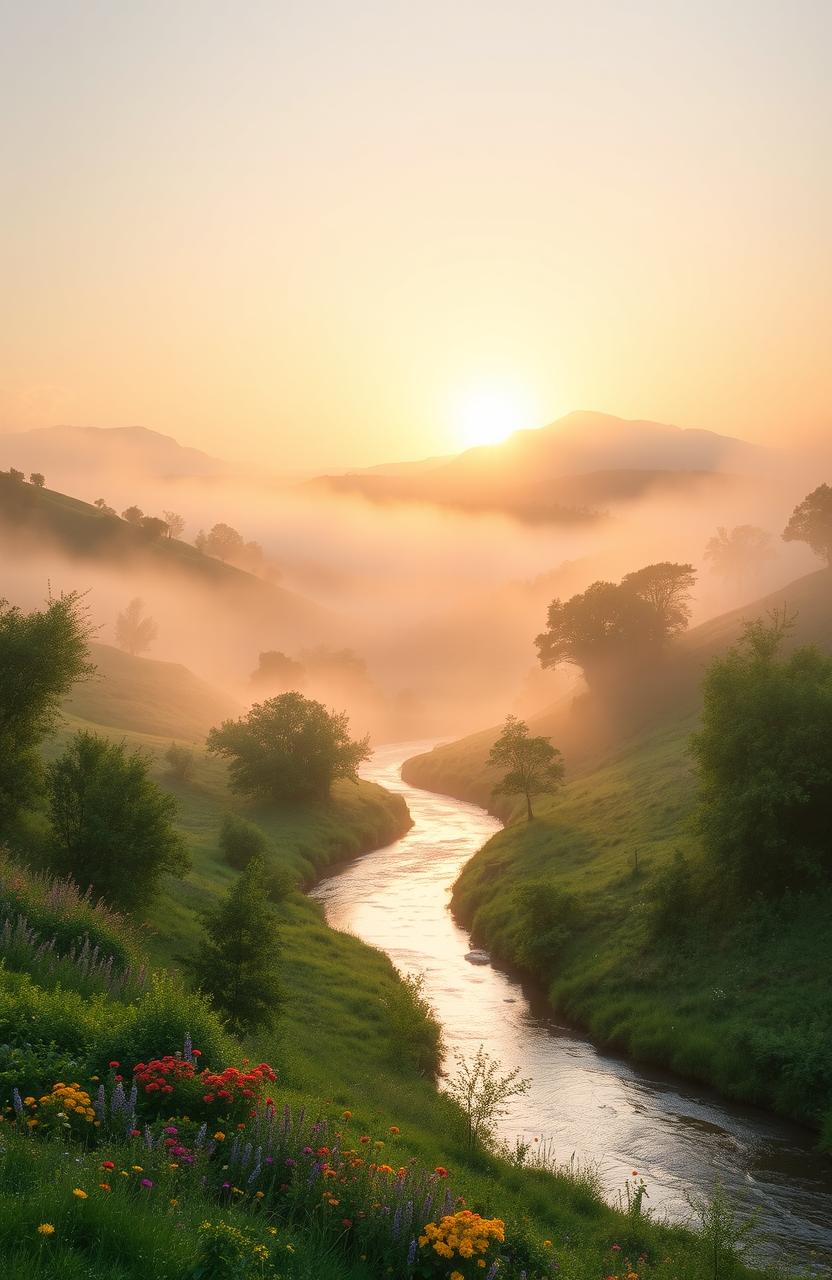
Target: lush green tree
<point x="765" y="761"/>
<point x="666" y="587"/>
<point x="735" y="554"/>
<point x="241" y="840"/>
<point x="532" y="765"/>
<point x="288" y="749"/>
<point x="42" y="654"/>
<point x="811" y="521"/>
<point x="37" y="479"/>
<point x="238" y="960"/>
<point x="112" y="827"/>
<point x="135" y="633"/>
<point x="180" y="761"/>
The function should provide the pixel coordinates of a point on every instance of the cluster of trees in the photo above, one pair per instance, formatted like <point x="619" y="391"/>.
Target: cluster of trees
<point x="172" y="526"/>
<point x="226" y="543"/>
<point x="36" y="478"/>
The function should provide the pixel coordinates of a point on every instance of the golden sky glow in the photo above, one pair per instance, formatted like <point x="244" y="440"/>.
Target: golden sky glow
<point x="311" y="234"/>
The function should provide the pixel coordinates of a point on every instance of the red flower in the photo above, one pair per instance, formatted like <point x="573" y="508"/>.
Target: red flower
<point x="113" y="1064"/>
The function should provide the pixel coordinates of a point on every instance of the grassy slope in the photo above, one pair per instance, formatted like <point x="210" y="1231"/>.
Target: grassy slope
<point x="31" y="516"/>
<point x="744" y="1003"/>
<point x="344" y="1037"/>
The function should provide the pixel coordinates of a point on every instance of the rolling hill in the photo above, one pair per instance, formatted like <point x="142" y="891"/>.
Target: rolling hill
<point x="66" y="454"/>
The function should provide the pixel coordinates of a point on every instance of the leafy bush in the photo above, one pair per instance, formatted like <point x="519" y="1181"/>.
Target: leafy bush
<point x="180" y="760"/>
<point x="165" y="1015"/>
<point x="240" y="841"/>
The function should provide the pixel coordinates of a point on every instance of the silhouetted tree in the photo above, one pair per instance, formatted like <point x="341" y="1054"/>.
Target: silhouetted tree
<point x="37" y="479"/>
<point x="134" y="633"/>
<point x="277" y="670"/>
<point x="611" y="625"/>
<point x="14" y="474"/>
<point x="238" y="962"/>
<point x="765" y="761"/>
<point x="811" y="522"/>
<point x="175" y="524"/>
<point x="737" y="552"/>
<point x="104" y="507"/>
<point x="133" y="515"/>
<point x="667" y="587"/>
<point x="112" y="827"/>
<point x="42" y="655"/>
<point x="221" y="542"/>
<point x="153" y="527"/>
<point x="288" y="749"/>
<point x="533" y="766"/>
<point x="180" y="761"/>
<point x="598" y="628"/>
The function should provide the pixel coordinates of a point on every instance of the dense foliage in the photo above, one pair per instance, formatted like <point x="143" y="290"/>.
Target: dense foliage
<point x="811" y="522"/>
<point x="237" y="963"/>
<point x="112" y="826"/>
<point x="241" y="840"/>
<point x="288" y="749"/>
<point x="612" y="626"/>
<point x="42" y="654"/>
<point x="765" y="762"/>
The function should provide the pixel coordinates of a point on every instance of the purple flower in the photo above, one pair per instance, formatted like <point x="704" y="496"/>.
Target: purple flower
<point x="411" y="1253"/>
<point x="188" y="1053"/>
<point x="146" y="1182"/>
<point x="17" y="1102"/>
<point x="171" y="1128"/>
<point x="290" y="1163"/>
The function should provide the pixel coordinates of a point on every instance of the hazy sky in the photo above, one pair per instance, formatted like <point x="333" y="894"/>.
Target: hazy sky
<point x="326" y="233"/>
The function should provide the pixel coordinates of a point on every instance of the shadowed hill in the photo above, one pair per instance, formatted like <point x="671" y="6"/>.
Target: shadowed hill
<point x="31" y="518"/>
<point x="67" y="451"/>
<point x="142" y="695"/>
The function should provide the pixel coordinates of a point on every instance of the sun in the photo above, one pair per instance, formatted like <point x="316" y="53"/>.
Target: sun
<point x="489" y="414"/>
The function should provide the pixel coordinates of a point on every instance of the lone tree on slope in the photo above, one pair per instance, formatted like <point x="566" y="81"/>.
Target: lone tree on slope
<point x="238" y="961"/>
<point x="811" y="521"/>
<point x="533" y="766"/>
<point x="134" y="633"/>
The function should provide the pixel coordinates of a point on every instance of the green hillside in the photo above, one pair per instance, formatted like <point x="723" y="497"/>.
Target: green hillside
<point x="31" y="518"/>
<point x="351" y="1036"/>
<point x="744" y="1001"/>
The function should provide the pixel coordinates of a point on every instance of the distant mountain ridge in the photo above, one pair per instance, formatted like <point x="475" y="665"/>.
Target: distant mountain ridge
<point x="554" y="472"/>
<point x="63" y="451"/>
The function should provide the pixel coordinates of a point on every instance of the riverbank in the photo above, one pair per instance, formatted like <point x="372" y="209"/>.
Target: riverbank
<point x="576" y="899"/>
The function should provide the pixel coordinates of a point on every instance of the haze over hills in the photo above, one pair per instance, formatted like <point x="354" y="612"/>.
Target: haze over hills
<point x="555" y="472"/>
<point x="64" y="453"/>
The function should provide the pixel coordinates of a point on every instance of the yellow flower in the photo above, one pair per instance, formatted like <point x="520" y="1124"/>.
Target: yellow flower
<point x="219" y="1136"/>
<point x="457" y="1275"/>
<point x="81" y="1195"/>
<point x="137" y="1168"/>
<point x="46" y="1229"/>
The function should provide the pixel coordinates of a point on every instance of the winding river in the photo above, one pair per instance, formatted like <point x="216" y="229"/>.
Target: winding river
<point x="620" y="1117"/>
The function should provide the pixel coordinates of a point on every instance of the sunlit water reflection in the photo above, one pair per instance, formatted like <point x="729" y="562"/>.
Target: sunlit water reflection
<point x="679" y="1136"/>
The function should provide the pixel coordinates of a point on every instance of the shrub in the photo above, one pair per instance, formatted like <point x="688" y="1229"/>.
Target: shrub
<point x="241" y="841"/>
<point x="113" y="827"/>
<point x="165" y="1015"/>
<point x="180" y="761"/>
